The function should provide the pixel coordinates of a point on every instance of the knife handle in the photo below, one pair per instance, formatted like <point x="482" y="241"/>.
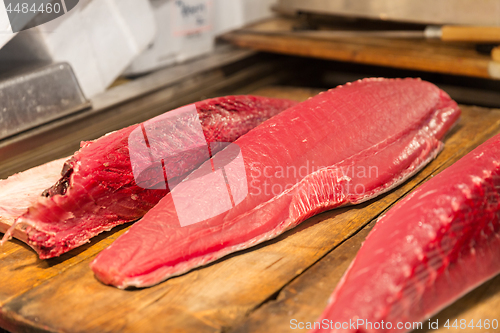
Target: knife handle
<point x="495" y="53"/>
<point x="475" y="34"/>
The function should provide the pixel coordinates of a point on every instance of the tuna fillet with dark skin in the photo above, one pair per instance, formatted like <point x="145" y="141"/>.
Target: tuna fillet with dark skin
<point x="98" y="190"/>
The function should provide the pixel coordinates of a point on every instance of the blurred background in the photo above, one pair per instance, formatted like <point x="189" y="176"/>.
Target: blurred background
<point x="73" y="70"/>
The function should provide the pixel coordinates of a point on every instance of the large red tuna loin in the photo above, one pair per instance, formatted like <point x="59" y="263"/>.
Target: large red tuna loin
<point x="98" y="190"/>
<point x="434" y="246"/>
<point x="341" y="147"/>
<point x="20" y="191"/>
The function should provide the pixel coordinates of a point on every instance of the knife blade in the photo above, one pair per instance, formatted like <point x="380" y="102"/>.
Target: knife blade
<point x="475" y="34"/>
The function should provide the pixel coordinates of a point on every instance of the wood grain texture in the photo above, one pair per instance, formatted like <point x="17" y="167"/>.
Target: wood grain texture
<point x="495" y="54"/>
<point x="234" y="293"/>
<point x="414" y="54"/>
<point x="475" y="34"/>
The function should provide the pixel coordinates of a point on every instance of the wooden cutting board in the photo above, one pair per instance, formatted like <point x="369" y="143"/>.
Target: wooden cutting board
<point x="414" y="54"/>
<point x="257" y="290"/>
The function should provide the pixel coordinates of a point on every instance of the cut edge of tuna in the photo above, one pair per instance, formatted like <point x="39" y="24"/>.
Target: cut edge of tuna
<point x="20" y="191"/>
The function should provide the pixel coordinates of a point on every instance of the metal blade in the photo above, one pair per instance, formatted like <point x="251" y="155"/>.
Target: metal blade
<point x="330" y="34"/>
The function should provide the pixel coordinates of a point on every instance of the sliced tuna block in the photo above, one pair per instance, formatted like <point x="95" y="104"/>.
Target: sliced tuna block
<point x="99" y="190"/>
<point x="342" y="147"/>
<point x="434" y="246"/>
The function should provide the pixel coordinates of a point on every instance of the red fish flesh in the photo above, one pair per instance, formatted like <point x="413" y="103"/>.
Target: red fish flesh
<point x="98" y="189"/>
<point x="20" y="191"/>
<point x="434" y="246"/>
<point x="341" y="147"/>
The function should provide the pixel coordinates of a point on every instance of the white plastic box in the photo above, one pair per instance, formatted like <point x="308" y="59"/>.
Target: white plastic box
<point x="185" y="30"/>
<point x="255" y="10"/>
<point x="229" y="15"/>
<point x="181" y="37"/>
<point x="99" y="39"/>
<point x="234" y="14"/>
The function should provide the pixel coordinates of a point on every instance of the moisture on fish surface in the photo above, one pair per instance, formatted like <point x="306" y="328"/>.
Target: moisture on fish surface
<point x="431" y="248"/>
<point x="98" y="189"/>
<point x="341" y="147"/>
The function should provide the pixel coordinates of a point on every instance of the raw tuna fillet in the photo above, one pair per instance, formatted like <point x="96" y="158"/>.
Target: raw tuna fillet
<point x="341" y="147"/>
<point x="433" y="247"/>
<point x="20" y="191"/>
<point x="98" y="190"/>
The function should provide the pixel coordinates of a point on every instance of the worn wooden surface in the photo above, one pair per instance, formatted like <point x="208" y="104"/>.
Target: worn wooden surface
<point x="257" y="290"/>
<point x="415" y="54"/>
